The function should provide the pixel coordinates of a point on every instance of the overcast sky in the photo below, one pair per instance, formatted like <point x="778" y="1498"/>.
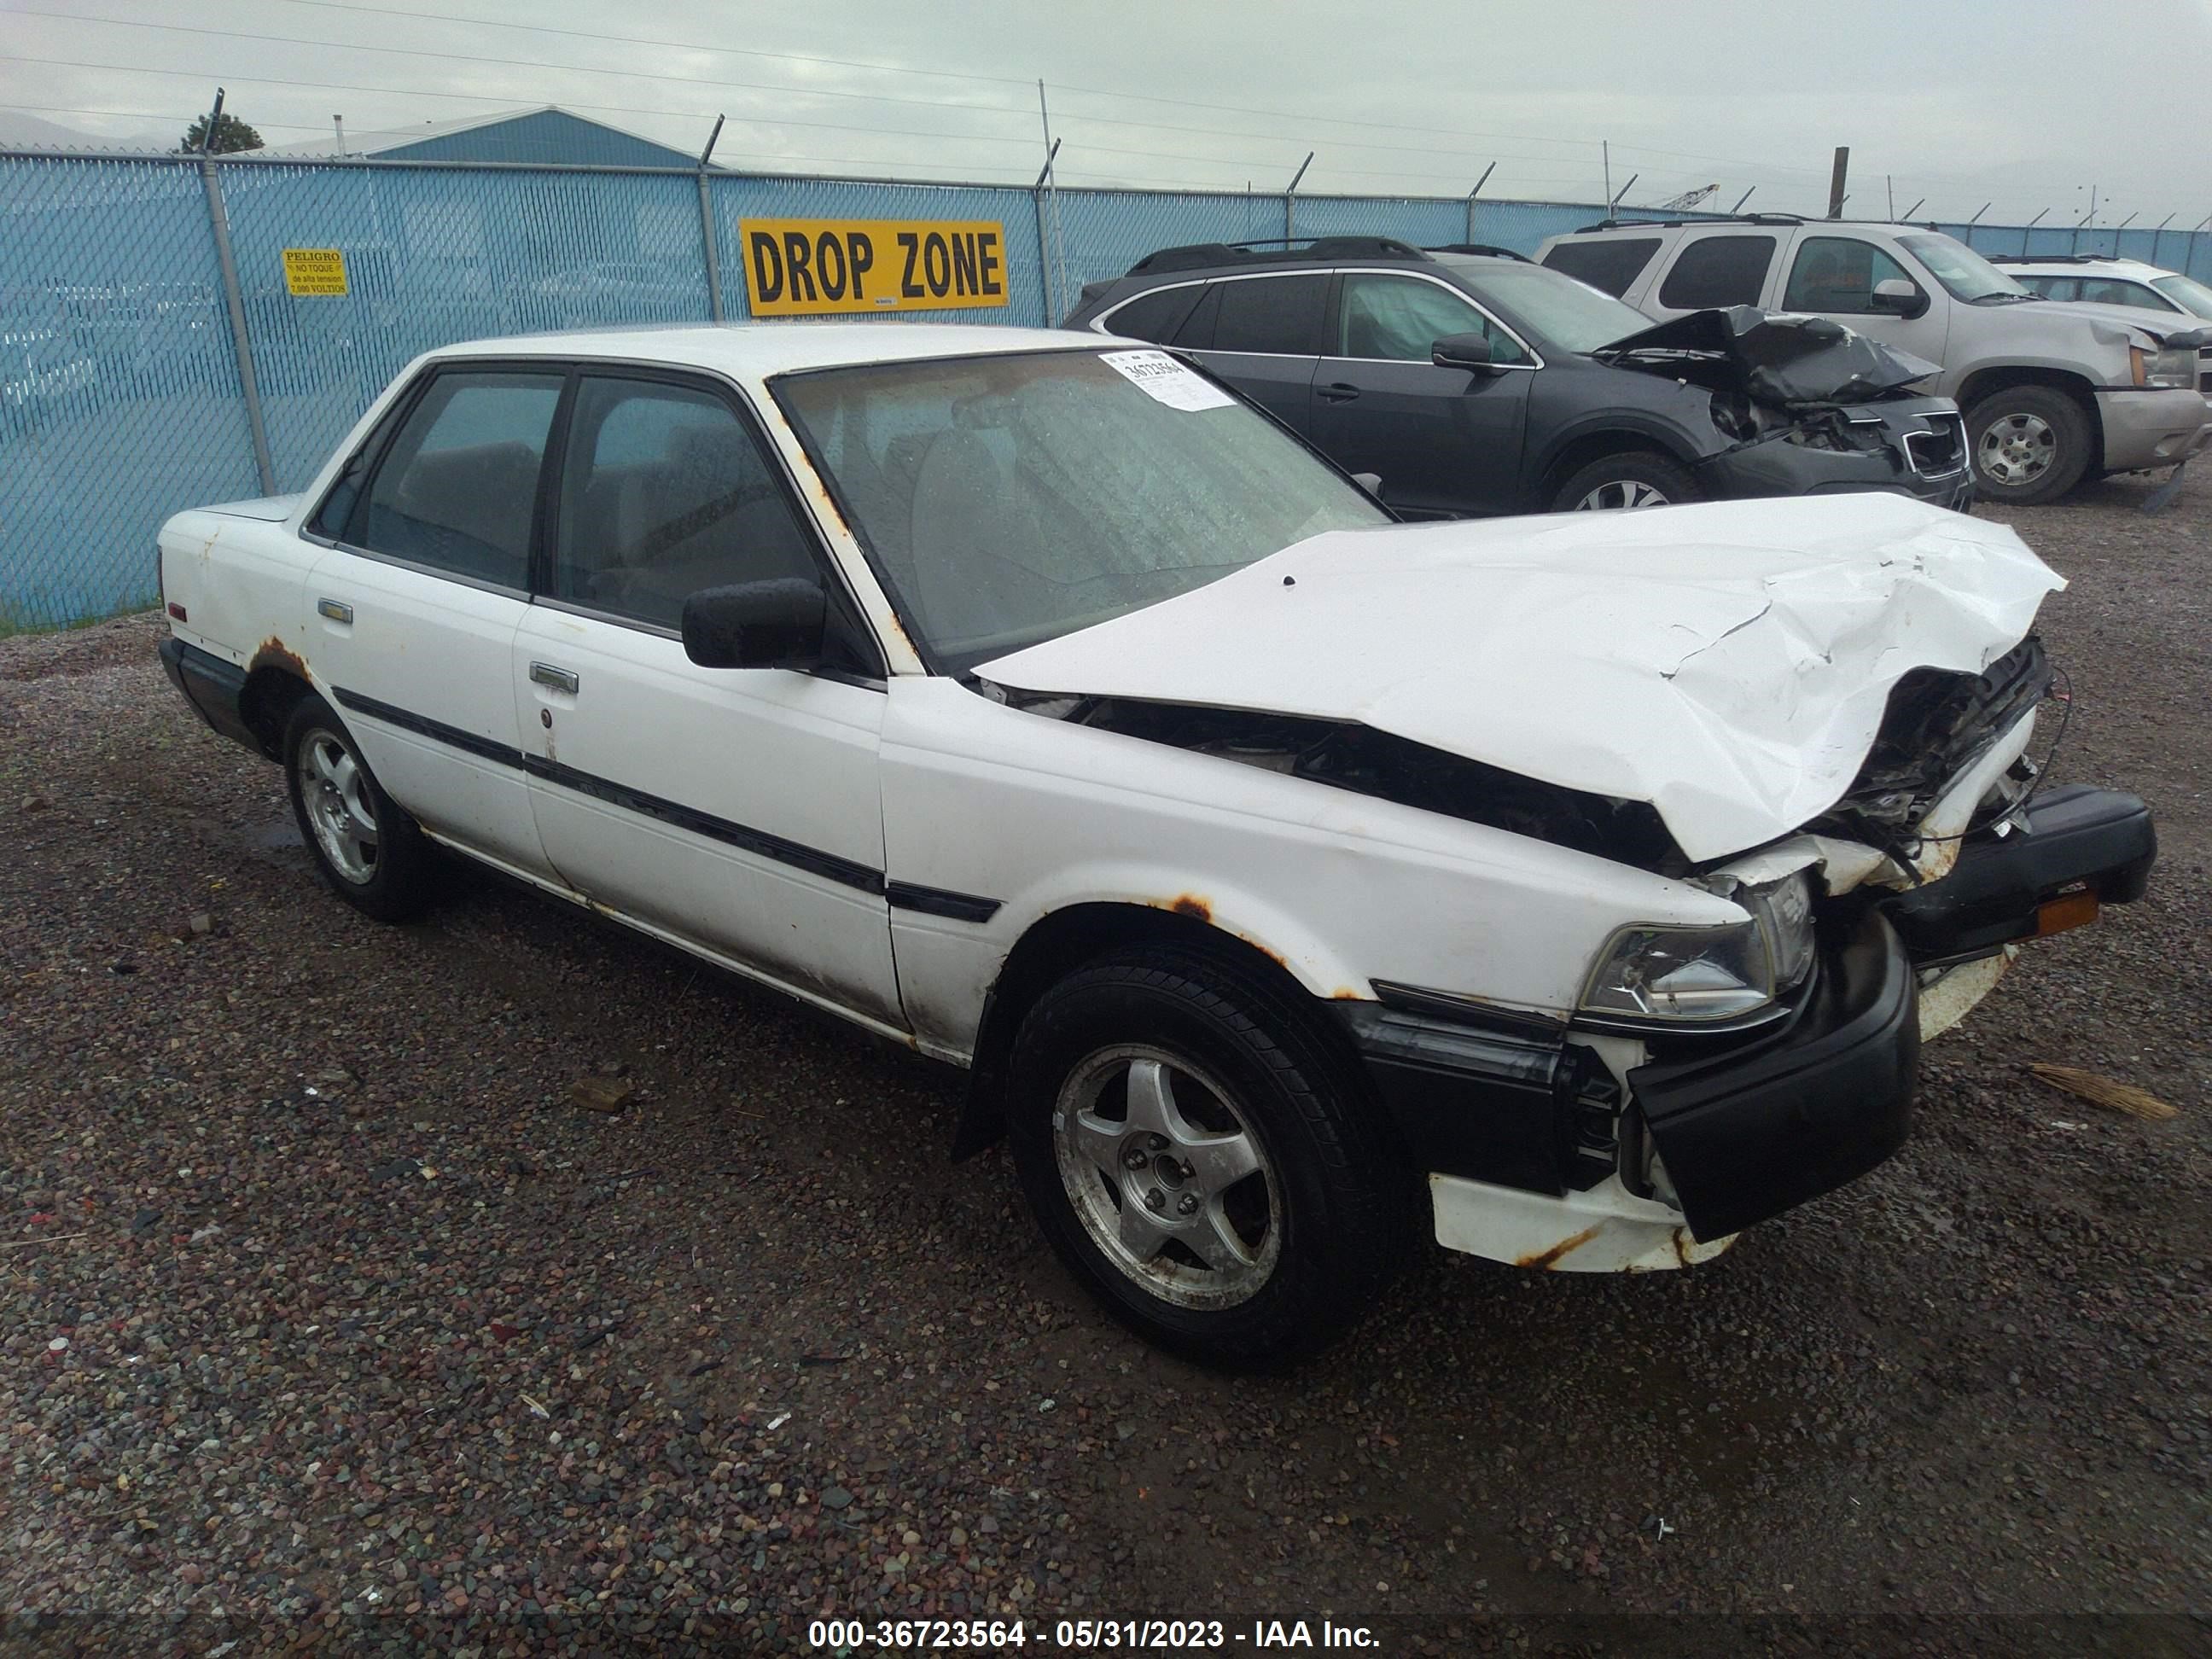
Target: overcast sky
<point x="2025" y="104"/>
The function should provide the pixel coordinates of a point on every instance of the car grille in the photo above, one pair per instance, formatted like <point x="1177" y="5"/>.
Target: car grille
<point x="1940" y="450"/>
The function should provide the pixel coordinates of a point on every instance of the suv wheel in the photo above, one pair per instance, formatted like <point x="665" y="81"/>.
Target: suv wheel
<point x="1186" y="1143"/>
<point x="2030" y="444"/>
<point x="1634" y="479"/>
<point x="374" y="856"/>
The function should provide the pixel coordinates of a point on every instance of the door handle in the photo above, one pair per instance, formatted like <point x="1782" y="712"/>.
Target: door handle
<point x="1339" y="392"/>
<point x="561" y="679"/>
<point x="337" y="610"/>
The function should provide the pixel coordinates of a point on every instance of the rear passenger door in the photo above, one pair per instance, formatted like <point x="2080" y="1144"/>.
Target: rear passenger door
<point x="418" y="596"/>
<point x="1443" y="441"/>
<point x="1263" y="335"/>
<point x="734" y="809"/>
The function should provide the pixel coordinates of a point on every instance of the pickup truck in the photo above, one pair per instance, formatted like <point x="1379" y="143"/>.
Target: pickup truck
<point x="2052" y="393"/>
<point x="1291" y="881"/>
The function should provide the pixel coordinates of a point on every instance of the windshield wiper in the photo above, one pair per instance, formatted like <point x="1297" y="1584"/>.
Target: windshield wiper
<point x="1999" y="297"/>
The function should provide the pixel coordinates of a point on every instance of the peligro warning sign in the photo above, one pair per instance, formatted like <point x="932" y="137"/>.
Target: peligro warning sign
<point x="817" y="267"/>
<point x="314" y="271"/>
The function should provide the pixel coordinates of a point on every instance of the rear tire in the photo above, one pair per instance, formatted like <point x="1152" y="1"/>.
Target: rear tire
<point x="2030" y="444"/>
<point x="1632" y="479"/>
<point x="1201" y="1159"/>
<point x="373" y="855"/>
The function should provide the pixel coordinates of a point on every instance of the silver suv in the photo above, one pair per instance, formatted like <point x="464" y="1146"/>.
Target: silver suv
<point x="2052" y="393"/>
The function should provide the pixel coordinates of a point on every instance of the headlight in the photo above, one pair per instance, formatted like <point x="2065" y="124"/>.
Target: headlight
<point x="2175" y="367"/>
<point x="1699" y="974"/>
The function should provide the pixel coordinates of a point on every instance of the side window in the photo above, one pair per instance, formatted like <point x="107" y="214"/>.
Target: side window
<point x="1608" y="263"/>
<point x="2052" y="287"/>
<point x="665" y="491"/>
<point x="2108" y="291"/>
<point x="1279" y="315"/>
<point x="1154" y="316"/>
<point x="1401" y="318"/>
<point x="457" y="489"/>
<point x="1718" y="270"/>
<point x="1838" y="274"/>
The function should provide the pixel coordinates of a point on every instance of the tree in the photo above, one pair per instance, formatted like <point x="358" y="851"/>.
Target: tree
<point x="231" y="135"/>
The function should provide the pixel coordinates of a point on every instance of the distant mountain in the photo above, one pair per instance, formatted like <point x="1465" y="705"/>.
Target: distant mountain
<point x="35" y="132"/>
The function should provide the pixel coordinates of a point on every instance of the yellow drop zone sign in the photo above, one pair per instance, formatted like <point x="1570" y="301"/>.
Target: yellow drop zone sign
<point x="314" y="271"/>
<point x="817" y="267"/>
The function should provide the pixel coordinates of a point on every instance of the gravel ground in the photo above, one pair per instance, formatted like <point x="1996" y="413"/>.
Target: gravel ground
<point x="325" y="1313"/>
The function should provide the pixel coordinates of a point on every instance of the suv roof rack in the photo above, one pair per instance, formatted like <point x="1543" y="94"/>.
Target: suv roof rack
<point x="2055" y="258"/>
<point x="1703" y="219"/>
<point x="1273" y="250"/>
<point x="1480" y="247"/>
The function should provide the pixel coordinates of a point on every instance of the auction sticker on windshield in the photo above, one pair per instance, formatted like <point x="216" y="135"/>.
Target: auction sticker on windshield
<point x="1162" y="377"/>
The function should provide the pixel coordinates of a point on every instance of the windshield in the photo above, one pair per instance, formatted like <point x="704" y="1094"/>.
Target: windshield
<point x="1559" y="311"/>
<point x="1010" y="499"/>
<point x="1962" y="271"/>
<point x="2186" y="292"/>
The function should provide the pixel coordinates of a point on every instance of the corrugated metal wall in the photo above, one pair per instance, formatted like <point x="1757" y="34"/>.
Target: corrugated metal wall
<point x="120" y="399"/>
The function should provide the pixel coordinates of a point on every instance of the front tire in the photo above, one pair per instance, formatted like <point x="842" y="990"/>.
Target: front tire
<point x="1634" y="479"/>
<point x="1201" y="1159"/>
<point x="2030" y="444"/>
<point x="373" y="855"/>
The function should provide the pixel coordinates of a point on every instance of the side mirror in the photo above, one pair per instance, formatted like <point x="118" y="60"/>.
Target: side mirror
<point x="1462" y="351"/>
<point x="1370" y="482"/>
<point x="769" y="624"/>
<point x="1898" y="297"/>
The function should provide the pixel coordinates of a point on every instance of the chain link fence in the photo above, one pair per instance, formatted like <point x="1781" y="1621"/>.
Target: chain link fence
<point x="154" y="356"/>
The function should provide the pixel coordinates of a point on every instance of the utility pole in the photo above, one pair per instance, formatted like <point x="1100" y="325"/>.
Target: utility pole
<point x="1889" y="190"/>
<point x="1289" y="211"/>
<point x="338" y="121"/>
<point x="1472" y="194"/>
<point x="1836" y="181"/>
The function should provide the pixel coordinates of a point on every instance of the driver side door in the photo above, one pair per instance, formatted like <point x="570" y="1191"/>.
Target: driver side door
<point x="1835" y="275"/>
<point x="735" y="810"/>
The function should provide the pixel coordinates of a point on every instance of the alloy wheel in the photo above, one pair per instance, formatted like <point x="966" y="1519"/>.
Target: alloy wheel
<point x="1167" y="1177"/>
<point x="334" y="788"/>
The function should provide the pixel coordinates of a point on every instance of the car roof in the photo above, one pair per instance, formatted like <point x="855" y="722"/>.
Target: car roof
<point x="755" y="351"/>
<point x="2070" y="264"/>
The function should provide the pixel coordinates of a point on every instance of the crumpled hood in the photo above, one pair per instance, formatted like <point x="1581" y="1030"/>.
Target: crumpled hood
<point x="1775" y="356"/>
<point x="1728" y="664"/>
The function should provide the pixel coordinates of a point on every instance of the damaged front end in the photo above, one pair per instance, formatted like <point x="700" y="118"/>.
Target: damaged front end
<point x="1803" y="405"/>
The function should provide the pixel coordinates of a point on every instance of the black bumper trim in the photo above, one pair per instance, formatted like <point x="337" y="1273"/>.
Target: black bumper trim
<point x="213" y="687"/>
<point x="2073" y="836"/>
<point x="1754" y="1128"/>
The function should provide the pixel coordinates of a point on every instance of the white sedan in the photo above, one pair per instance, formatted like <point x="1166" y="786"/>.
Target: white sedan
<point x="1293" y="882"/>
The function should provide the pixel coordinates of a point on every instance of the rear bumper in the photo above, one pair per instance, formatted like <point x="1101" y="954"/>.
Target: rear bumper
<point x="213" y="687"/>
<point x="2145" y="428"/>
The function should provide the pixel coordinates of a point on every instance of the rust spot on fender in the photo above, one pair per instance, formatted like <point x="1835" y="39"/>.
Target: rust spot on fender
<point x="1189" y="904"/>
<point x="1346" y="993"/>
<point x="1544" y="1260"/>
<point x="1681" y="1238"/>
<point x="275" y="653"/>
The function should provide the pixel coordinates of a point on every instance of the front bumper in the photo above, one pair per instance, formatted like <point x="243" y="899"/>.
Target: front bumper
<point x="1918" y="448"/>
<point x="2145" y="428"/>
<point x="1534" y="1152"/>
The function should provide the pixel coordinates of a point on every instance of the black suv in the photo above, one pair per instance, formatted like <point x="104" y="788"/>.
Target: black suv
<point x="1473" y="381"/>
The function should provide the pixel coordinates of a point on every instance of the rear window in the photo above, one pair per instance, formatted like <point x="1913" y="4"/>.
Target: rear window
<point x="1718" y="270"/>
<point x="1154" y="316"/>
<point x="1609" y="263"/>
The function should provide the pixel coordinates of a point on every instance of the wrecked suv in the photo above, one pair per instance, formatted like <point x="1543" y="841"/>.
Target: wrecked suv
<point x="1469" y="381"/>
<point x="1292" y="882"/>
